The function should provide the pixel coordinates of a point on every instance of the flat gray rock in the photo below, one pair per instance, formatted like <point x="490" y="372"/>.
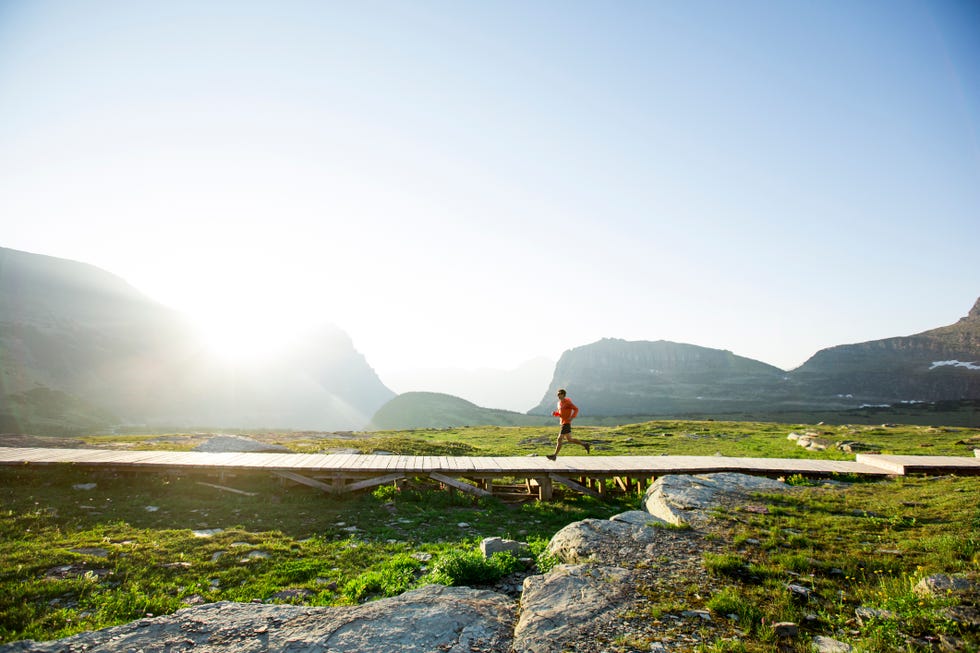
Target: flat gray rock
<point x="433" y="618"/>
<point x="237" y="443"/>
<point x="558" y="607"/>
<point x="690" y="499"/>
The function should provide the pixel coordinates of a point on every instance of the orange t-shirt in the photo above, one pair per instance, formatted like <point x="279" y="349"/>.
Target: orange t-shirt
<point x="567" y="411"/>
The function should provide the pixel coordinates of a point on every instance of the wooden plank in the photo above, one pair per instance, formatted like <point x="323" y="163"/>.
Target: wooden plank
<point x="157" y="458"/>
<point x="492" y="465"/>
<point x="313" y="461"/>
<point x="374" y="463"/>
<point x="241" y="460"/>
<point x="282" y="460"/>
<point x="358" y="461"/>
<point x="488" y="467"/>
<point x="85" y="457"/>
<point x="345" y="460"/>
<point x="115" y="457"/>
<point x="402" y="464"/>
<point x="372" y="482"/>
<point x="923" y="464"/>
<point x="326" y="462"/>
<point x="305" y="480"/>
<point x="229" y="489"/>
<point x="459" y="485"/>
<point x="573" y="485"/>
<point x="392" y="463"/>
<point x="44" y="456"/>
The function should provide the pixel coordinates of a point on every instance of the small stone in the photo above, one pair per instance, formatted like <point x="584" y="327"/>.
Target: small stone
<point x="800" y="593"/>
<point x="291" y="594"/>
<point x="941" y="585"/>
<point x="823" y="644"/>
<point x="786" y="629"/>
<point x="965" y="615"/>
<point x="492" y="545"/>
<point x="866" y="615"/>
<point x="700" y="614"/>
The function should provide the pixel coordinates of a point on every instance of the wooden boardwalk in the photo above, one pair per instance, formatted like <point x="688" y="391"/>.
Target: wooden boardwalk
<point x="343" y="473"/>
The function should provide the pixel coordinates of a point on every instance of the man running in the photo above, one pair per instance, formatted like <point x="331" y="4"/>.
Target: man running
<point x="567" y="411"/>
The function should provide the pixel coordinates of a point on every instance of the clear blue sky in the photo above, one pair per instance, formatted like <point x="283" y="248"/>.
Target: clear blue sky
<point x="474" y="184"/>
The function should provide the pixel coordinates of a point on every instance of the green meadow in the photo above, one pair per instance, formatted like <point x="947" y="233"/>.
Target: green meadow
<point x="82" y="550"/>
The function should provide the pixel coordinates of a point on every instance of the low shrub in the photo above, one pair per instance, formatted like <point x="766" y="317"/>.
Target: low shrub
<point x="471" y="568"/>
<point x="392" y="578"/>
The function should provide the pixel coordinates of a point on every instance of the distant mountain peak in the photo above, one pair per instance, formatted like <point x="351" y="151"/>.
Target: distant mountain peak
<point x="974" y="313"/>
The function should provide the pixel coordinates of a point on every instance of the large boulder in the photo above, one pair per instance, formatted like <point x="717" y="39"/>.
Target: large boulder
<point x="601" y="540"/>
<point x="558" y="607"/>
<point x="433" y="618"/>
<point x="690" y="499"/>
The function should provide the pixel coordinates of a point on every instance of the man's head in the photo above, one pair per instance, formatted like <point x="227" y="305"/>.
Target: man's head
<point x="561" y="393"/>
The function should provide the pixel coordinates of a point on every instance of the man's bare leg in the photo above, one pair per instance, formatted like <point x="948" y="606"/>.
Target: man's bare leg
<point x="585" y="445"/>
<point x="561" y="438"/>
<point x="566" y="437"/>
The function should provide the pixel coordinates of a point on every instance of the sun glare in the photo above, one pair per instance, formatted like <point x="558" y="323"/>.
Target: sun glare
<point x="245" y="339"/>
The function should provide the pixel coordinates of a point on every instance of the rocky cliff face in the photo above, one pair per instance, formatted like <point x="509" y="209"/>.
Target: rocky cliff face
<point x="938" y="364"/>
<point x="616" y="377"/>
<point x="79" y="346"/>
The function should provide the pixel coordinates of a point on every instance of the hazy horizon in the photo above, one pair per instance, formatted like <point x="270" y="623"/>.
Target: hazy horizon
<point x="474" y="186"/>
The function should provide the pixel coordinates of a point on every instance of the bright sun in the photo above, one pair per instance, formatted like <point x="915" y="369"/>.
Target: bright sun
<point x="245" y="338"/>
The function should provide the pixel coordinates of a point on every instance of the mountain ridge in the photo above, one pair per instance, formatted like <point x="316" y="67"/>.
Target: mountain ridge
<point x="77" y="340"/>
<point x="652" y="377"/>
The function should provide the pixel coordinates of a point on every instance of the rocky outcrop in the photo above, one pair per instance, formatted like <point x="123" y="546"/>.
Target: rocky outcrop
<point x="619" y="377"/>
<point x="690" y="500"/>
<point x="605" y="540"/>
<point x="935" y="365"/>
<point x="558" y="608"/>
<point x="434" y="618"/>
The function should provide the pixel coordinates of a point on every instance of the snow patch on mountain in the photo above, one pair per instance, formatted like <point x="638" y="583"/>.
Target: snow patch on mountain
<point x="954" y="363"/>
